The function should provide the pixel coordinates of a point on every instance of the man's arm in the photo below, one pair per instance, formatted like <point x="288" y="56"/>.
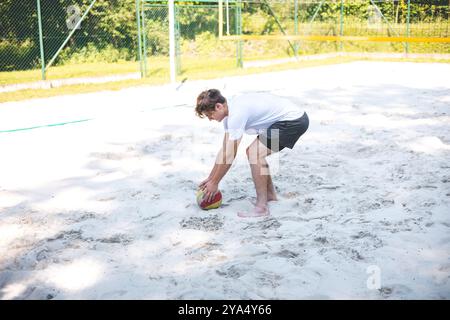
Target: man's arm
<point x="218" y="160"/>
<point x="224" y="160"/>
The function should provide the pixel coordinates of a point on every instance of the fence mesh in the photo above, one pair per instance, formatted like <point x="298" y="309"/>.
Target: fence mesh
<point x="19" y="35"/>
<point x="375" y="18"/>
<point x="106" y="41"/>
<point x="155" y="40"/>
<point x="106" y="35"/>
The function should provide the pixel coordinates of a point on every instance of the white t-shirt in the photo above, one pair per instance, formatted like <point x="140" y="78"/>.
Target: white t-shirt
<point x="253" y="112"/>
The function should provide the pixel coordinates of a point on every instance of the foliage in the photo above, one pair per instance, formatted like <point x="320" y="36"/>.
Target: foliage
<point x="18" y="55"/>
<point x="109" y="32"/>
<point x="157" y="39"/>
<point x="93" y="53"/>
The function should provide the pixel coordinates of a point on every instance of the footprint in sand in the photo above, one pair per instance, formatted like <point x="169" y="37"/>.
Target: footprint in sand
<point x="375" y="242"/>
<point x="82" y="216"/>
<point x="209" y="223"/>
<point x="107" y="199"/>
<point x="114" y="294"/>
<point x="290" y="195"/>
<point x="396" y="290"/>
<point x="117" y="238"/>
<point x="234" y="272"/>
<point x="286" y="254"/>
<point x="67" y="235"/>
<point x="269" y="279"/>
<point x="108" y="156"/>
<point x="205" y="251"/>
<point x="266" y="224"/>
<point x="321" y="240"/>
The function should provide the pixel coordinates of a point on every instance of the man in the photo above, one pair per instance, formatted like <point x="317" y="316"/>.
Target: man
<point x="278" y="122"/>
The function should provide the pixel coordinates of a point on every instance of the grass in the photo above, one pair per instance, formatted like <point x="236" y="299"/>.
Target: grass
<point x="70" y="71"/>
<point x="192" y="69"/>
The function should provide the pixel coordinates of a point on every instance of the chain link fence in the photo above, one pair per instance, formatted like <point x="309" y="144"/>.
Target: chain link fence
<point x="85" y="34"/>
<point x="199" y="49"/>
<point x="105" y="41"/>
<point x="106" y="34"/>
<point x="427" y="19"/>
<point x="19" y="35"/>
<point x="155" y="40"/>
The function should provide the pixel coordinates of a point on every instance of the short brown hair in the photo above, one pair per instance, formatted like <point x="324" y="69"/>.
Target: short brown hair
<point x="206" y="101"/>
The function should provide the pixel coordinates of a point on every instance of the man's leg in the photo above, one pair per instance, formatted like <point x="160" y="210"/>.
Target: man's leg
<point x="256" y="153"/>
<point x="271" y="193"/>
<point x="261" y="181"/>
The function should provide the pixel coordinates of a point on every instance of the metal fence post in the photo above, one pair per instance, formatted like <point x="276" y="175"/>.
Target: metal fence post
<point x="173" y="73"/>
<point x="177" y="40"/>
<point x="407" y="25"/>
<point x="144" y="40"/>
<point x="41" y="40"/>
<point x="342" y="23"/>
<point x="138" y="22"/>
<point x="239" y="43"/>
<point x="296" y="26"/>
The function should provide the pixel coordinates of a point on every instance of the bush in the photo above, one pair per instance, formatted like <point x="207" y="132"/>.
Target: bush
<point x="207" y="44"/>
<point x="157" y="38"/>
<point x="92" y="53"/>
<point x="257" y="23"/>
<point x="18" y="55"/>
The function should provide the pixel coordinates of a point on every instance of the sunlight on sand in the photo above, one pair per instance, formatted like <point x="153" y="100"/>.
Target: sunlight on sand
<point x="77" y="275"/>
<point x="428" y="145"/>
<point x="10" y="233"/>
<point x="13" y="291"/>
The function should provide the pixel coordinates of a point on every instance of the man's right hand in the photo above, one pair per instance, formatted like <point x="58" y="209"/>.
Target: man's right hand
<point x="203" y="183"/>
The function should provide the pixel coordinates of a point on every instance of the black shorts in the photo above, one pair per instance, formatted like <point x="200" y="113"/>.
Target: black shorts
<point x="284" y="134"/>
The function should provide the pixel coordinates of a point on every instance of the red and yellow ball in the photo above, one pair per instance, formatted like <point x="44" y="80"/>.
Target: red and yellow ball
<point x="207" y="205"/>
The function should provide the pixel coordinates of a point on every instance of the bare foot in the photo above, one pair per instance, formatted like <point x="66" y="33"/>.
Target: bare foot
<point x="255" y="212"/>
<point x="253" y="200"/>
<point x="272" y="197"/>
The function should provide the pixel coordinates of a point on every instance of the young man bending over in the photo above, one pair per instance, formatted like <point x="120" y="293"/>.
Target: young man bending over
<point x="278" y="124"/>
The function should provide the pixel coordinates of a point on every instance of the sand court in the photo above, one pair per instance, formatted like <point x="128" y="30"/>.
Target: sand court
<point x="97" y="192"/>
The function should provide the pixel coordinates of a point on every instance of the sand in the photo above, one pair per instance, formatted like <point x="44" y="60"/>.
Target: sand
<point x="105" y="208"/>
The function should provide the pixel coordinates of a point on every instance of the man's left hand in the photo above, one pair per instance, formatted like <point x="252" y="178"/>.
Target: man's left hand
<point x="210" y="189"/>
